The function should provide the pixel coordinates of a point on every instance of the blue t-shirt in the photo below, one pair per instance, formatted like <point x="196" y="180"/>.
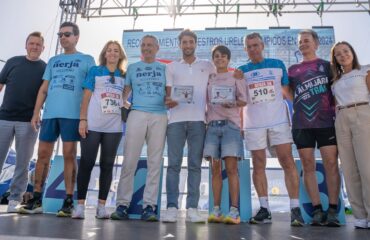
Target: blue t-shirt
<point x="98" y="71"/>
<point x="65" y="73"/>
<point x="267" y="63"/>
<point x="148" y="82"/>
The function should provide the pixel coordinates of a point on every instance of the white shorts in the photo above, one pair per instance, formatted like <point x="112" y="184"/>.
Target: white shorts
<point x="257" y="139"/>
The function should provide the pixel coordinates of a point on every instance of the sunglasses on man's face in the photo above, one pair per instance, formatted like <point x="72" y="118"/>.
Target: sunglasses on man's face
<point x="66" y="34"/>
<point x="112" y="80"/>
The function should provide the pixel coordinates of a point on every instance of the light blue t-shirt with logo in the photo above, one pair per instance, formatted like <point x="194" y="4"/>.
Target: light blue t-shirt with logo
<point x="148" y="82"/>
<point x="65" y="73"/>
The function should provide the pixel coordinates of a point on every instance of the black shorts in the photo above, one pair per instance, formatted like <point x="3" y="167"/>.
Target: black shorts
<point x="307" y="138"/>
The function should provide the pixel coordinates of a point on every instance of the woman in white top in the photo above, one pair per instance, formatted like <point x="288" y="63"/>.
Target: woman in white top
<point x="351" y="87"/>
<point x="100" y="124"/>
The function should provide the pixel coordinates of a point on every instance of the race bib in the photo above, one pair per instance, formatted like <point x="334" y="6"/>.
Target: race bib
<point x="262" y="91"/>
<point x="110" y="103"/>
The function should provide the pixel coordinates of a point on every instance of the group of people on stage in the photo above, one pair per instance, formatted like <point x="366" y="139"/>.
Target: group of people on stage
<point x="191" y="101"/>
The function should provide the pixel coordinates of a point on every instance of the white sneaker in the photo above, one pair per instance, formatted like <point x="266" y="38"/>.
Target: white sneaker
<point x="101" y="212"/>
<point x="13" y="206"/>
<point x="193" y="215"/>
<point x="78" y="212"/>
<point x="361" y="223"/>
<point x="170" y="216"/>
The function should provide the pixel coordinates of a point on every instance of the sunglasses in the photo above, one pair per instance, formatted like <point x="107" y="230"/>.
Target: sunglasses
<point x="66" y="34"/>
<point x="112" y="80"/>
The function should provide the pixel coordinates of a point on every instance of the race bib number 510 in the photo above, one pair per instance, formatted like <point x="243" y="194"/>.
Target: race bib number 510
<point x="262" y="91"/>
<point x="110" y="103"/>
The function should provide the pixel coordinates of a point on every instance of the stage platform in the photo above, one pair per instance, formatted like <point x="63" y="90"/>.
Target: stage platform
<point x="48" y="226"/>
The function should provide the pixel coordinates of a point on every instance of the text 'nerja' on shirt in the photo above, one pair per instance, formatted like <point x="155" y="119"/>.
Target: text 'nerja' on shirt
<point x="65" y="73"/>
<point x="148" y="83"/>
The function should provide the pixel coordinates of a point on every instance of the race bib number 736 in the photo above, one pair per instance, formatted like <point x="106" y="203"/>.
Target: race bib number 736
<point x="110" y="103"/>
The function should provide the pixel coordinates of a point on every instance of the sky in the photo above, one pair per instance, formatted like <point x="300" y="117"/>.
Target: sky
<point x="20" y="17"/>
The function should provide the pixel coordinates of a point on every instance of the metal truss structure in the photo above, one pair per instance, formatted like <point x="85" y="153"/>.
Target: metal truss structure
<point x="138" y="8"/>
<point x="174" y="8"/>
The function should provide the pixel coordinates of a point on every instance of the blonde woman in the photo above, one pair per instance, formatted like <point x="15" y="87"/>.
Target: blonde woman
<point x="351" y="88"/>
<point x="100" y="124"/>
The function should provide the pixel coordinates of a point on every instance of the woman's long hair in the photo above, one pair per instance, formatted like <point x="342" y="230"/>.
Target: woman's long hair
<point x="122" y="62"/>
<point x="336" y="68"/>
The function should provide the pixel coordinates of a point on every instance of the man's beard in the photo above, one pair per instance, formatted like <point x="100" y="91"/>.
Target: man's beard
<point x="188" y="53"/>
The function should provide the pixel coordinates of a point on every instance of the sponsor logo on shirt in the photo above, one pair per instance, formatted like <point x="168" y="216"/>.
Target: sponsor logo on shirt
<point x="73" y="63"/>
<point x="321" y="68"/>
<point x="255" y="74"/>
<point x="315" y="86"/>
<point x="149" y="74"/>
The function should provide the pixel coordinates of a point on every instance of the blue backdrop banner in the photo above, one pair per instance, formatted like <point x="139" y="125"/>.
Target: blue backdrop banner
<point x="54" y="193"/>
<point x="304" y="199"/>
<point x="279" y="43"/>
<point x="245" y="204"/>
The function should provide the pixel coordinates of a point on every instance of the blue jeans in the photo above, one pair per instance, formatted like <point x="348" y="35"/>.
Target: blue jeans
<point x="177" y="133"/>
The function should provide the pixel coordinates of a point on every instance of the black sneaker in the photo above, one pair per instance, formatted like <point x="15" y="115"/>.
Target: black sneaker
<point x="120" y="213"/>
<point x="149" y="214"/>
<point x="67" y="208"/>
<point x="263" y="216"/>
<point x="318" y="218"/>
<point x="33" y="206"/>
<point x="296" y="219"/>
<point x="332" y="218"/>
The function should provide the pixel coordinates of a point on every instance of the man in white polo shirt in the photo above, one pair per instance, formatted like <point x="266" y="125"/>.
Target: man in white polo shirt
<point x="266" y="121"/>
<point x="186" y="97"/>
